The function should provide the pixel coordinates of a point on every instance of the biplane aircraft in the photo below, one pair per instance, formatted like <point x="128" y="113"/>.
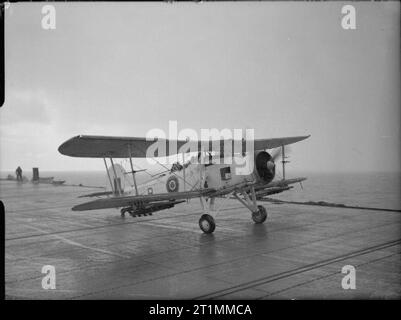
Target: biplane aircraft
<point x="207" y="180"/>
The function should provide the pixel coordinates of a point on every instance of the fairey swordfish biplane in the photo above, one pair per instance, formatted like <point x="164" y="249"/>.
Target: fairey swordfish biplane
<point x="201" y="177"/>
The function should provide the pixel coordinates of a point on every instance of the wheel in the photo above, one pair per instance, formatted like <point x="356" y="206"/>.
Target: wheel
<point x="260" y="215"/>
<point x="206" y="223"/>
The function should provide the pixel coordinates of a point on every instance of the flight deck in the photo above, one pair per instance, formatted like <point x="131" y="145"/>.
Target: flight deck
<point x="298" y="253"/>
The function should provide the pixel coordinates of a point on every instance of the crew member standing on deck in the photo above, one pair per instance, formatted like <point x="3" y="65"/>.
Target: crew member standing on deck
<point x="18" y="172"/>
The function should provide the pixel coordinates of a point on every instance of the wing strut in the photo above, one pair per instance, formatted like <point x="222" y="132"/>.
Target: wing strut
<point x="108" y="174"/>
<point x="283" y="161"/>
<point x="115" y="177"/>
<point x="132" y="169"/>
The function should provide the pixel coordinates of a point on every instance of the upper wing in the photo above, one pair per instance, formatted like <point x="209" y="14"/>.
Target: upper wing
<point x="116" y="202"/>
<point x="124" y="147"/>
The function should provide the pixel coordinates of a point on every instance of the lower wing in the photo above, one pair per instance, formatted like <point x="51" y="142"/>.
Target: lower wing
<point x="174" y="197"/>
<point x="125" y="201"/>
<point x="276" y="187"/>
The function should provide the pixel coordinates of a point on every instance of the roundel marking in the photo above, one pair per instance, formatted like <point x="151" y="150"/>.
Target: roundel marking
<point x="172" y="184"/>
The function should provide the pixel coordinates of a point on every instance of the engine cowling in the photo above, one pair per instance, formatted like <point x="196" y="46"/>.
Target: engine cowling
<point x="265" y="168"/>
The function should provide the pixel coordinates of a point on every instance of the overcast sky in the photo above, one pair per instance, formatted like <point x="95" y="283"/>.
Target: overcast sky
<point x="281" y="68"/>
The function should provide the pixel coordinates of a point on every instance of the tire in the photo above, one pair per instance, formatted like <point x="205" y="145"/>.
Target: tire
<point x="207" y="224"/>
<point x="260" y="215"/>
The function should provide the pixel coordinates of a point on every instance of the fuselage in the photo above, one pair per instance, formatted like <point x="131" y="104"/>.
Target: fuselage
<point x="215" y="172"/>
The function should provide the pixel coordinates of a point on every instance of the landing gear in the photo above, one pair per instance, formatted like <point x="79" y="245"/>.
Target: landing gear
<point x="206" y="223"/>
<point x="260" y="215"/>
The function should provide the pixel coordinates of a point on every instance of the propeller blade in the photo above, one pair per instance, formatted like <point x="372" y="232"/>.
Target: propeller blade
<point x="276" y="154"/>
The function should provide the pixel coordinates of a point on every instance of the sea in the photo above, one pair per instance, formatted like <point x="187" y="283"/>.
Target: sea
<point x="373" y="189"/>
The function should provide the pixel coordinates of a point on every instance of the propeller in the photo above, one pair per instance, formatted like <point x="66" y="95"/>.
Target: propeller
<point x="270" y="165"/>
<point x="276" y="154"/>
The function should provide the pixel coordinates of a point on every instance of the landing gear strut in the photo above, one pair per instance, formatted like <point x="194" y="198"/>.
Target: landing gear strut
<point x="259" y="213"/>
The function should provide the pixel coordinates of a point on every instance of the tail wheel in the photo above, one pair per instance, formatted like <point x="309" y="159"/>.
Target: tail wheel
<point x="260" y="215"/>
<point x="206" y="223"/>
